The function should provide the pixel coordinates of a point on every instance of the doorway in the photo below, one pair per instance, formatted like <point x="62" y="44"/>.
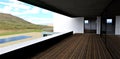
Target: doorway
<point x="90" y="26"/>
<point x="110" y="26"/>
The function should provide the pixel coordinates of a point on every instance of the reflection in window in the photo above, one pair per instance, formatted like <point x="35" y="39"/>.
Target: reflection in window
<point x="86" y="21"/>
<point x="109" y="20"/>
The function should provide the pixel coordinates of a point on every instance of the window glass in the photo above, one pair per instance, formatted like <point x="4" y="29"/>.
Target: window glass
<point x="86" y="21"/>
<point x="20" y="21"/>
<point x="109" y="20"/>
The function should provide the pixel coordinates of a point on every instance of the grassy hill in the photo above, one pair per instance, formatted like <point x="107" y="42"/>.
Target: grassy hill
<point x="8" y="21"/>
<point x="16" y="24"/>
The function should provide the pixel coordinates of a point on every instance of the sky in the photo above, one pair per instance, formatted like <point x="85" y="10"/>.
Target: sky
<point x="26" y="11"/>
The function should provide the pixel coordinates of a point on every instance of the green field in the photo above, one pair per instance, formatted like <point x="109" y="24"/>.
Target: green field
<point x="10" y="32"/>
<point x="10" y="24"/>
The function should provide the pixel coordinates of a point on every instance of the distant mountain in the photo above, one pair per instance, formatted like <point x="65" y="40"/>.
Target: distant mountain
<point x="8" y="21"/>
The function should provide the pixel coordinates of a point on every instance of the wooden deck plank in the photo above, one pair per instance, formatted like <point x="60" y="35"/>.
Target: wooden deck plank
<point x="85" y="46"/>
<point x="113" y="44"/>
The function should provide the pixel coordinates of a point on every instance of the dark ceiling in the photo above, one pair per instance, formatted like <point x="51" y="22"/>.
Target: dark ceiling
<point x="80" y="8"/>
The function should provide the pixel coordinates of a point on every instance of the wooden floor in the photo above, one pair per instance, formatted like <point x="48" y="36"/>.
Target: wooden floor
<point x="113" y="45"/>
<point x="78" y="46"/>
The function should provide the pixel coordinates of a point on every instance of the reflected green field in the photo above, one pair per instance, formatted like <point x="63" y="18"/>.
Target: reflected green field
<point x="11" y="32"/>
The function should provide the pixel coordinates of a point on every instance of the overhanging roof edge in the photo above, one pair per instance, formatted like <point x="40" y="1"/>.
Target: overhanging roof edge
<point x="46" y="6"/>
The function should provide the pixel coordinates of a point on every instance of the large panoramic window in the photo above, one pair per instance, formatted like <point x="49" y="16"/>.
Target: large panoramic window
<point x="19" y="21"/>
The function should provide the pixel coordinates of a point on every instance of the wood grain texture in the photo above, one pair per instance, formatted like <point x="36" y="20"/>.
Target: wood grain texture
<point x="113" y="45"/>
<point x="78" y="46"/>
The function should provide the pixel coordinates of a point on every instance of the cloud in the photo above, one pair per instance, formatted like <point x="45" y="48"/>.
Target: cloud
<point x="16" y="6"/>
<point x="7" y="9"/>
<point x="34" y="10"/>
<point x="13" y="7"/>
<point x="4" y="3"/>
<point x="45" y="11"/>
<point x="13" y="0"/>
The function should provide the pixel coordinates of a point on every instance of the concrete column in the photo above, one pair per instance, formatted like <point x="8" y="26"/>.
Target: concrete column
<point x="98" y="21"/>
<point x="117" y="25"/>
